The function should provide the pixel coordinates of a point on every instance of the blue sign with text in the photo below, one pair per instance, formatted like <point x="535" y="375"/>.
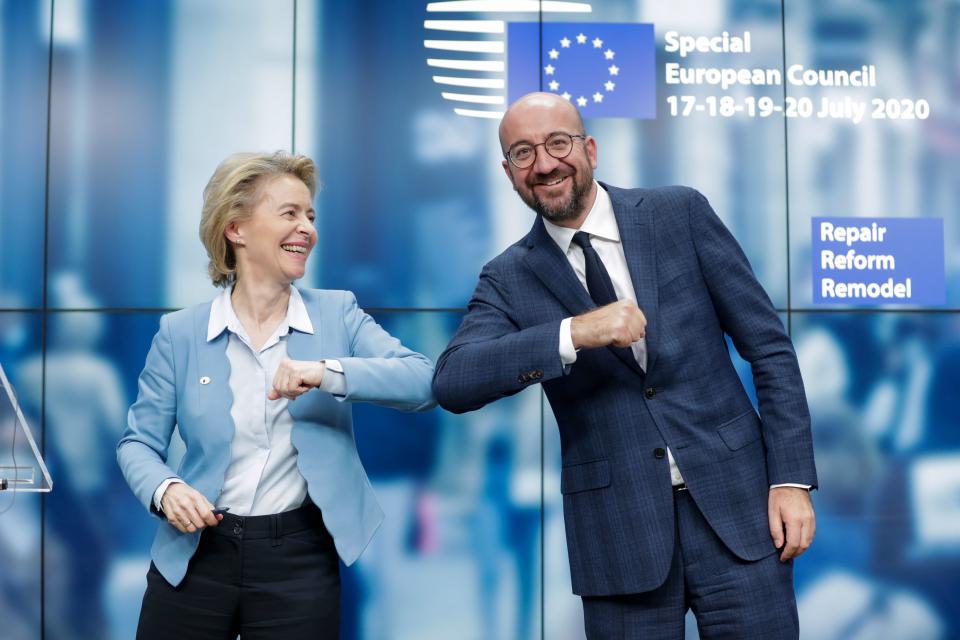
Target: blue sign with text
<point x="868" y="262"/>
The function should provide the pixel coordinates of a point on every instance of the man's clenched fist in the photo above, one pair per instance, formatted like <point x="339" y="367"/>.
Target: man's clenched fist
<point x="619" y="323"/>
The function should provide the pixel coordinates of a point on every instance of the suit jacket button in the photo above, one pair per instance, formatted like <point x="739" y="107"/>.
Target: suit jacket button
<point x="659" y="452"/>
<point x="522" y="378"/>
<point x="650" y="392"/>
<point x="538" y="374"/>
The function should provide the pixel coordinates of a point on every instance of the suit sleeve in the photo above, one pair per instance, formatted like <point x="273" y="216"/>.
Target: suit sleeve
<point x="142" y="449"/>
<point x="490" y="356"/>
<point x="749" y="318"/>
<point x="380" y="370"/>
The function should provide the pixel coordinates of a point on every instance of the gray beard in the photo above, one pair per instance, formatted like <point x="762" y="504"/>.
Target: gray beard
<point x="568" y="211"/>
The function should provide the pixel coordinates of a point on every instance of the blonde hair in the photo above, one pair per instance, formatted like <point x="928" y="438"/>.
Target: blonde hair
<point x="230" y="196"/>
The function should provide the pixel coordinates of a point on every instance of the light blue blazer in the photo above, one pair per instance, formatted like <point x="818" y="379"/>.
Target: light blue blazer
<point x="377" y="369"/>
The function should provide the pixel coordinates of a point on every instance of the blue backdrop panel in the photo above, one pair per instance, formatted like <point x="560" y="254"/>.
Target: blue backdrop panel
<point x="24" y="55"/>
<point x="20" y="517"/>
<point x="887" y="441"/>
<point x="108" y="150"/>
<point x="898" y="167"/>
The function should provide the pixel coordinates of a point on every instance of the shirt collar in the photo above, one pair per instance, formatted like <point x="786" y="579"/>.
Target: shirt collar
<point x="222" y="315"/>
<point x="599" y="223"/>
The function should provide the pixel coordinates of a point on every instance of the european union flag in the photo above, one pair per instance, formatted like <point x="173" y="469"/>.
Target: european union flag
<point x="606" y="68"/>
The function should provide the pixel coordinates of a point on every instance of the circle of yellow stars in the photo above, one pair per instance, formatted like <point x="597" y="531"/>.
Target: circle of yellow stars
<point x="608" y="54"/>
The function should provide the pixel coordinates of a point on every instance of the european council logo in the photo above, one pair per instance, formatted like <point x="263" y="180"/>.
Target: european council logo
<point x="606" y="69"/>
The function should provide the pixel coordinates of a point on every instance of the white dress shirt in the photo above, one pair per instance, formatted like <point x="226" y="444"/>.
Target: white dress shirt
<point x="601" y="224"/>
<point x="262" y="477"/>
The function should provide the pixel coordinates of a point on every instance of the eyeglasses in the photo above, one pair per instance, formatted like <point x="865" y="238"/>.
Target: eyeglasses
<point x="559" y="145"/>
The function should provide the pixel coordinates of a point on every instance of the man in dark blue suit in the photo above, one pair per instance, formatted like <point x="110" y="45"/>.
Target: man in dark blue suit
<point x="676" y="494"/>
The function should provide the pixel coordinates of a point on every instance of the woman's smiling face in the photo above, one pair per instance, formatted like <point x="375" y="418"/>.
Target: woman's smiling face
<point x="274" y="242"/>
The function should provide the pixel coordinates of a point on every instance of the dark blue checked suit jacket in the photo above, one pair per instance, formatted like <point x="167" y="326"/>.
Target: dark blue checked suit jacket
<point x="694" y="285"/>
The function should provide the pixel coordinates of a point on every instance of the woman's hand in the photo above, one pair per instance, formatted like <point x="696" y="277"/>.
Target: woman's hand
<point x="187" y="509"/>
<point x="296" y="377"/>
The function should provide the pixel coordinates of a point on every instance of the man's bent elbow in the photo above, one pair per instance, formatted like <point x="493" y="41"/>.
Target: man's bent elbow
<point x="450" y="398"/>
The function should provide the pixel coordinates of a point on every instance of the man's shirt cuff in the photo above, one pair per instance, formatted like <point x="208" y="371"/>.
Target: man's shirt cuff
<point x="568" y="355"/>
<point x="792" y="484"/>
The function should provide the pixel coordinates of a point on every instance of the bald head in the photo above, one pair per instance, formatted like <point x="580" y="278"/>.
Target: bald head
<point x="538" y="106"/>
<point x="555" y="181"/>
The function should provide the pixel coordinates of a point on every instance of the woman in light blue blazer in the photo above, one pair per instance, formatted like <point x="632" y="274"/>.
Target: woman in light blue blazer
<point x="260" y="381"/>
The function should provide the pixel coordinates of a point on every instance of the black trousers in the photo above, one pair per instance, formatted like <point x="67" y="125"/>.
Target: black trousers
<point x="261" y="577"/>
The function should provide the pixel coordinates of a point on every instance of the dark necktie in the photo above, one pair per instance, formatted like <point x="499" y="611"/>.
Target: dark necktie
<point x="601" y="288"/>
<point x="598" y="280"/>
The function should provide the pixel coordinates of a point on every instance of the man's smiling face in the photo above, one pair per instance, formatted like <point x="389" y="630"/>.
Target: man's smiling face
<point x="556" y="188"/>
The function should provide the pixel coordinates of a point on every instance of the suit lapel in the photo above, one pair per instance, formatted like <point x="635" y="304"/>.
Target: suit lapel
<point x="302" y="346"/>
<point x="552" y="268"/>
<point x="637" y="235"/>
<point x="305" y="346"/>
<point x="213" y="367"/>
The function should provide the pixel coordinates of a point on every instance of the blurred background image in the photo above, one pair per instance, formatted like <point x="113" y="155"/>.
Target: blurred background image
<point x="113" y="115"/>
